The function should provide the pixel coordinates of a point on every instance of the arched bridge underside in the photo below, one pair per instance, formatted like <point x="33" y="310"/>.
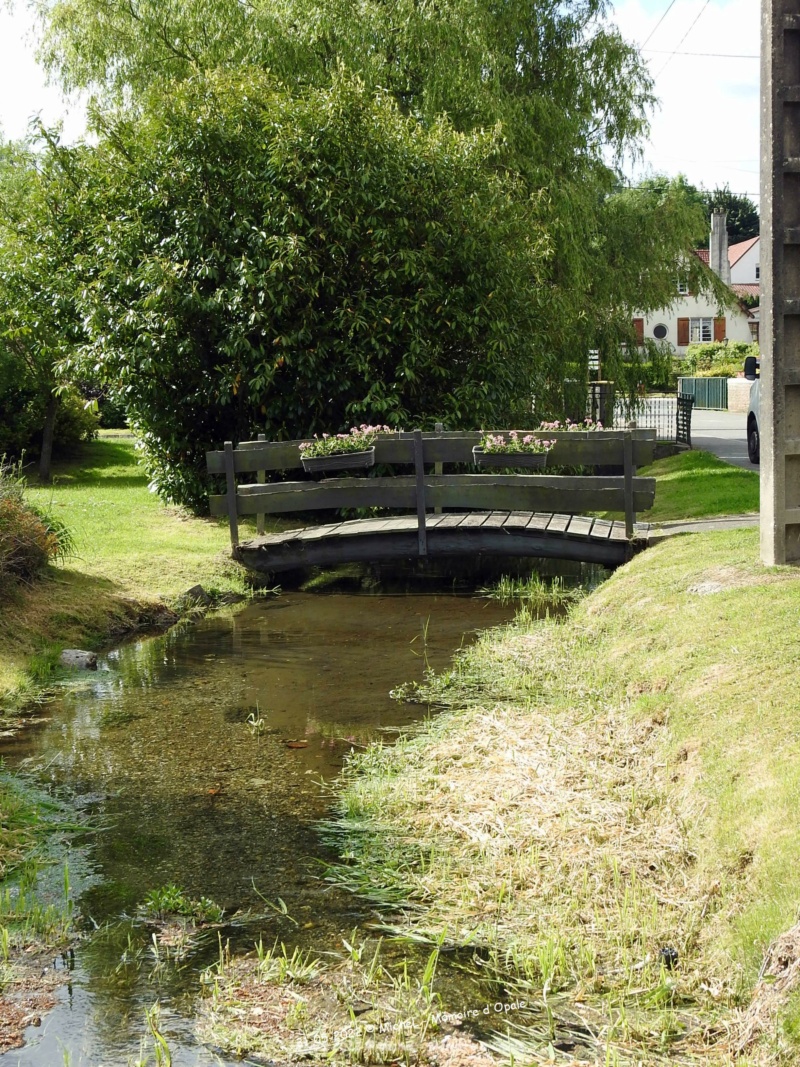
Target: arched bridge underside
<point x="495" y="533"/>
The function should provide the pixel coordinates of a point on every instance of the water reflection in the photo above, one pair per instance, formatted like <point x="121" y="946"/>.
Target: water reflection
<point x="158" y="747"/>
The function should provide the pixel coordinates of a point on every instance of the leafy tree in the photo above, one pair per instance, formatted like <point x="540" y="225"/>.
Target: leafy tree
<point x="39" y="324"/>
<point x="295" y="264"/>
<point x="742" y="214"/>
<point x="558" y="88"/>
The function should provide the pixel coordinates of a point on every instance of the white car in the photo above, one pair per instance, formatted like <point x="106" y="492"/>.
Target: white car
<point x="753" y="434"/>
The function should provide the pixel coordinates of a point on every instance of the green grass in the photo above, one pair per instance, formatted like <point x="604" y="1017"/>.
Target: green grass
<point x="134" y="555"/>
<point x="605" y="787"/>
<point x="125" y="535"/>
<point x="698" y="484"/>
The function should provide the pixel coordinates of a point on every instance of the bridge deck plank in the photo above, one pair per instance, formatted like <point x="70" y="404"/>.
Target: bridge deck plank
<point x="617" y="532"/>
<point x="558" y="523"/>
<point x="601" y="530"/>
<point x="539" y="520"/>
<point x="579" y="526"/>
<point x="451" y="520"/>
<point x="474" y="518"/>
<point x="496" y="519"/>
<point x="517" y="519"/>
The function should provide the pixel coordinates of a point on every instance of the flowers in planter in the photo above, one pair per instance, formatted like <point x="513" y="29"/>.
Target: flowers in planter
<point x="568" y="424"/>
<point x="515" y="443"/>
<point x="359" y="439"/>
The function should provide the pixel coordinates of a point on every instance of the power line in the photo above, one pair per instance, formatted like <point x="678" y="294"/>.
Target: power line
<point x="710" y="55"/>
<point x="702" y="9"/>
<point x="671" y="5"/>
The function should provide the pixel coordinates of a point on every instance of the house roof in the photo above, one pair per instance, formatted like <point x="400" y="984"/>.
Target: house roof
<point x="735" y="252"/>
<point x="746" y="288"/>
<point x="702" y="253"/>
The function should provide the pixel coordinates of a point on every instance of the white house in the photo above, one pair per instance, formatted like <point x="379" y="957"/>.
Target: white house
<point x="744" y="258"/>
<point x="694" y="317"/>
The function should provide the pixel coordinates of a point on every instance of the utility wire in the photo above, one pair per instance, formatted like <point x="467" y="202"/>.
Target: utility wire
<point x="711" y="55"/>
<point x="671" y="5"/>
<point x="677" y="47"/>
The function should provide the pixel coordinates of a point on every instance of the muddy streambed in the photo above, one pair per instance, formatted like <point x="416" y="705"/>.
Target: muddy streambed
<point x="200" y="758"/>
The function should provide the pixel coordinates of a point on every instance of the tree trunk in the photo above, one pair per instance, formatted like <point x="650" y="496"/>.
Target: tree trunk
<point x="47" y="438"/>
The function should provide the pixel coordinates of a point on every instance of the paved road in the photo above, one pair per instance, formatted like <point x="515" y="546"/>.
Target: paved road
<point x="720" y="432"/>
<point x="724" y="433"/>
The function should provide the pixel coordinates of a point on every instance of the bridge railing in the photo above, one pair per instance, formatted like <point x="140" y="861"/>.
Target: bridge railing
<point x="424" y="490"/>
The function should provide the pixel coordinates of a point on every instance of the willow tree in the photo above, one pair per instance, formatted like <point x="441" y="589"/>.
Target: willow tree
<point x="551" y="83"/>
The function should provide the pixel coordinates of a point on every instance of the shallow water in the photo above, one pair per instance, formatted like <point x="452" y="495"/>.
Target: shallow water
<point x="157" y="750"/>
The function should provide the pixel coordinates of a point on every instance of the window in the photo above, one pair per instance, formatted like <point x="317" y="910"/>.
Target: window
<point x="758" y="271"/>
<point x="660" y="331"/>
<point x="701" y="330"/>
<point x="683" y="287"/>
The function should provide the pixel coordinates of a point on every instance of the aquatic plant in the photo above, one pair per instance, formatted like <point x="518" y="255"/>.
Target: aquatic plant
<point x="171" y="900"/>
<point x="534" y="592"/>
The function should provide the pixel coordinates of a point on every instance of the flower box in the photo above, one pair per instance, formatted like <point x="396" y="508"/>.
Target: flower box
<point x="340" y="461"/>
<point x="508" y="459"/>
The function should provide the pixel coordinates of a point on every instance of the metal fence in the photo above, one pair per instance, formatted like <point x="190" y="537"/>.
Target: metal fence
<point x="707" y="392"/>
<point x="669" y="416"/>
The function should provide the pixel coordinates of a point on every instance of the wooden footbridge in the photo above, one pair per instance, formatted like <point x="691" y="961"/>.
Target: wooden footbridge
<point x="494" y="512"/>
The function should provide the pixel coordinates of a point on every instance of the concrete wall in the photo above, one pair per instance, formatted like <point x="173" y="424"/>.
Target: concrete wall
<point x="739" y="394"/>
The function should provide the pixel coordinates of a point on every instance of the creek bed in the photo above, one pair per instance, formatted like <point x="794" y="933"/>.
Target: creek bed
<point x="201" y="756"/>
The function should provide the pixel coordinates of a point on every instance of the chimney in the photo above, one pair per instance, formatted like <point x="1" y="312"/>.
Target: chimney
<point x="718" y="247"/>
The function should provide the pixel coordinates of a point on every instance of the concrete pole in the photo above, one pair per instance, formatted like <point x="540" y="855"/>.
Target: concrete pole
<point x="779" y="412"/>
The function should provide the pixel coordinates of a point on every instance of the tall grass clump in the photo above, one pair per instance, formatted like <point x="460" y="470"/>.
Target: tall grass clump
<point x="30" y="537"/>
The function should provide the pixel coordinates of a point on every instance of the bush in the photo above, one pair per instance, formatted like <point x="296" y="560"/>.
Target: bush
<point x="717" y="359"/>
<point x="75" y="423"/>
<point x="22" y="414"/>
<point x="297" y="265"/>
<point x="29" y="537"/>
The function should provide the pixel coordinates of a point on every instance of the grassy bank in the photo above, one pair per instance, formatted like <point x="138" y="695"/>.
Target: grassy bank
<point x="609" y="808"/>
<point x="698" y="484"/>
<point x="134" y="558"/>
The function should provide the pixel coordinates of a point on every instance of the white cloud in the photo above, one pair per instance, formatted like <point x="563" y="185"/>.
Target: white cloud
<point x="23" y="89"/>
<point x="707" y="125"/>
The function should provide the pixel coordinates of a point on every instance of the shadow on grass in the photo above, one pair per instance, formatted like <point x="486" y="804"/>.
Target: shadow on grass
<point x="112" y="462"/>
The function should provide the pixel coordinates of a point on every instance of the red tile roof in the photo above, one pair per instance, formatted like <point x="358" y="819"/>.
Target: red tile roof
<point x="702" y="253"/>
<point x="735" y="252"/>
<point x="746" y="288"/>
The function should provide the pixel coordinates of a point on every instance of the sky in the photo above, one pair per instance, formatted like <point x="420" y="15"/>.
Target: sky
<point x="705" y="127"/>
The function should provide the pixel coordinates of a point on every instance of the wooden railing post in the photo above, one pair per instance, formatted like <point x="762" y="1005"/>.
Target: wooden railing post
<point x="261" y="477"/>
<point x="419" y="470"/>
<point x="230" y="482"/>
<point x="438" y="467"/>
<point x="628" y="471"/>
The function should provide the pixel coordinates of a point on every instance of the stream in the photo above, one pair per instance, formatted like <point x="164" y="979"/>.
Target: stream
<point x="201" y="758"/>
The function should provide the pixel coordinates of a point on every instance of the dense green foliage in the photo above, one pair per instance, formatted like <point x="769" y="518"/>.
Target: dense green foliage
<point x="39" y="289"/>
<point x="297" y="264"/>
<point x="742" y="213"/>
<point x="302" y="216"/>
<point x="719" y="359"/>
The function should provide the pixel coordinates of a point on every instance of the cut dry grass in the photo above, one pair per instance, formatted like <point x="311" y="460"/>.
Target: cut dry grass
<point x="603" y="790"/>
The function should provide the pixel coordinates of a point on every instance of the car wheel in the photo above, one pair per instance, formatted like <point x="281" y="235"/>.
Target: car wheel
<point x="753" y="442"/>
